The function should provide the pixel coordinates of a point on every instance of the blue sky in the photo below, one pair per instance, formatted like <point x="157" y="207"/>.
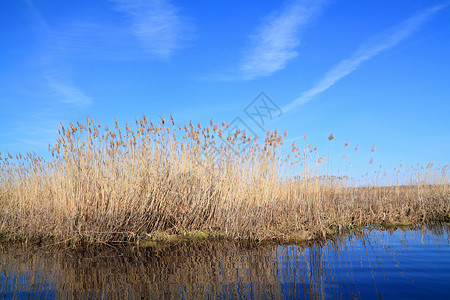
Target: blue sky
<point x="370" y="72"/>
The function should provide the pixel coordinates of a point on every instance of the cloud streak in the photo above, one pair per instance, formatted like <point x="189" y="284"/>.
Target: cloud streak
<point x="157" y="24"/>
<point x="276" y="41"/>
<point x="67" y="93"/>
<point x="376" y="46"/>
<point x="62" y="89"/>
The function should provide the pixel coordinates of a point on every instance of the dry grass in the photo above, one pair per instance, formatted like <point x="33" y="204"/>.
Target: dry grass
<point x="105" y="185"/>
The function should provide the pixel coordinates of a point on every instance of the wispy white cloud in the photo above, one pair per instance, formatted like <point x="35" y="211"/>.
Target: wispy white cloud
<point x="374" y="47"/>
<point x="157" y="24"/>
<point x="57" y="86"/>
<point x="90" y="40"/>
<point x="68" y="93"/>
<point x="38" y="19"/>
<point x="145" y="29"/>
<point x="277" y="38"/>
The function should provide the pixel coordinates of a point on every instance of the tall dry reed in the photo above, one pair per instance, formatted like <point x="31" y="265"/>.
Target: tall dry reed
<point x="107" y="184"/>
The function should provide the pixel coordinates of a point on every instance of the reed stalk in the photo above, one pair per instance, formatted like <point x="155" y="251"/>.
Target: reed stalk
<point x="121" y="184"/>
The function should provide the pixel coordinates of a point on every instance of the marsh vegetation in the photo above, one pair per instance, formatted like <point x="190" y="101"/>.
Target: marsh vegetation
<point x="105" y="185"/>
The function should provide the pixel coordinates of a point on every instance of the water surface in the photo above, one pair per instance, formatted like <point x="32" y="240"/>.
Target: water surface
<point x="370" y="264"/>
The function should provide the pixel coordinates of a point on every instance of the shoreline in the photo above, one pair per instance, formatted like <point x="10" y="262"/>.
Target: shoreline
<point x="162" y="240"/>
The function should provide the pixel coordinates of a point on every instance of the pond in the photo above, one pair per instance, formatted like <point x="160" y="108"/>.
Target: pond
<point x="400" y="263"/>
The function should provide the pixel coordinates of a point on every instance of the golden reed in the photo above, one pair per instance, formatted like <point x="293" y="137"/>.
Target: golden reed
<point x="104" y="185"/>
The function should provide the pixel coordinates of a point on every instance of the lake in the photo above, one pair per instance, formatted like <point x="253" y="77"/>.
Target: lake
<point x="370" y="264"/>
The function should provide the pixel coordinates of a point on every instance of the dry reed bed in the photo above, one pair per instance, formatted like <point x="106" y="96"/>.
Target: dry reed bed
<point x="105" y="185"/>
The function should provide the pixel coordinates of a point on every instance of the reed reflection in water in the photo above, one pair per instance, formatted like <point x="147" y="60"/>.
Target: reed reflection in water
<point x="370" y="264"/>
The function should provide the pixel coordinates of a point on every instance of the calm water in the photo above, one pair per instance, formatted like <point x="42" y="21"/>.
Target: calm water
<point x="399" y="264"/>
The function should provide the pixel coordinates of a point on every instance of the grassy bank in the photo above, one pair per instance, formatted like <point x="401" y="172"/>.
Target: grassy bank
<point x="104" y="185"/>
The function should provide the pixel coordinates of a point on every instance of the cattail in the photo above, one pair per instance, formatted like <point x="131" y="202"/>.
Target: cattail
<point x="373" y="149"/>
<point x="346" y="144"/>
<point x="357" y="147"/>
